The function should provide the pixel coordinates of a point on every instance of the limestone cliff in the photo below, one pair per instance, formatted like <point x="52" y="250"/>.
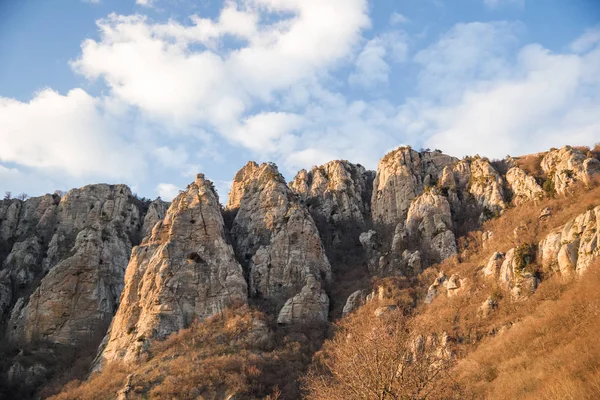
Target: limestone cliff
<point x="78" y="247"/>
<point x="567" y="166"/>
<point x="337" y="192"/>
<point x="401" y="176"/>
<point x="184" y="271"/>
<point x="274" y="235"/>
<point x="571" y="248"/>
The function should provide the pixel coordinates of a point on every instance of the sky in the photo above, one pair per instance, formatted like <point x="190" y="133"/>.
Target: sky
<point x="152" y="92"/>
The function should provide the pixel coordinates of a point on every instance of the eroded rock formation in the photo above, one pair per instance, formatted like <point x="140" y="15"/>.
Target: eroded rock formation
<point x="184" y="271"/>
<point x="274" y="235"/>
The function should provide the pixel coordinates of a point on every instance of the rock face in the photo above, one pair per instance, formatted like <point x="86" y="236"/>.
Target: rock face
<point x="474" y="188"/>
<point x="401" y="176"/>
<point x="524" y="187"/>
<point x="429" y="223"/>
<point x="567" y="166"/>
<point x="91" y="231"/>
<point x="274" y="235"/>
<point x="572" y="248"/>
<point x="492" y="268"/>
<point x="514" y="274"/>
<point x="184" y="271"/>
<point x="310" y="305"/>
<point x="338" y="196"/>
<point x="338" y="190"/>
<point x="355" y="300"/>
<point x="156" y="212"/>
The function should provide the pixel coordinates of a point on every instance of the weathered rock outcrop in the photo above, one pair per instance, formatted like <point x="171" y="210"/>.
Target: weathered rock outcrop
<point x="401" y="176"/>
<point x="310" y="305"/>
<point x="184" y="271"/>
<point x="82" y="264"/>
<point x="355" y="300"/>
<point x="515" y="274"/>
<point x="429" y="224"/>
<point x="156" y="212"/>
<point x="567" y="166"/>
<point x="572" y="247"/>
<point x="338" y="191"/>
<point x="492" y="268"/>
<point x="473" y="186"/>
<point x="523" y="186"/>
<point x="452" y="286"/>
<point x="274" y="235"/>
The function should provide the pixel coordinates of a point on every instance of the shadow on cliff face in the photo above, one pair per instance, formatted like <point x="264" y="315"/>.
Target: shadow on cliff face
<point x="24" y="369"/>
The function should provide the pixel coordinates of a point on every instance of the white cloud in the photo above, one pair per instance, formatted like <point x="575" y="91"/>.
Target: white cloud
<point x="588" y="40"/>
<point x="145" y="3"/>
<point x="67" y="134"/>
<point x="167" y="191"/>
<point x="398" y="19"/>
<point x="152" y="66"/>
<point x="91" y="1"/>
<point x="500" y="3"/>
<point x="495" y="104"/>
<point x="371" y="67"/>
<point x="467" y="53"/>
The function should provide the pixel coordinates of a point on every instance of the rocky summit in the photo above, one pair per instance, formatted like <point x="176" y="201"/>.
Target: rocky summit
<point x="99" y="274"/>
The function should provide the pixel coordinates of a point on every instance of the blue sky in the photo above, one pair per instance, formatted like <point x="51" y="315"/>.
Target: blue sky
<point x="150" y="92"/>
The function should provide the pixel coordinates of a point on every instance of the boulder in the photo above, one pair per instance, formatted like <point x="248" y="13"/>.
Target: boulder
<point x="310" y="305"/>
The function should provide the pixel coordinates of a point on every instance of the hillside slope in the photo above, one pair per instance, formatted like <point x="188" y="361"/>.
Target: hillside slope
<point x="429" y="259"/>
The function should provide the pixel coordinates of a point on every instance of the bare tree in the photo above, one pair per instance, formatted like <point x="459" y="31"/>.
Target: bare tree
<point x="381" y="358"/>
<point x="23" y="196"/>
<point x="59" y="193"/>
<point x="7" y="195"/>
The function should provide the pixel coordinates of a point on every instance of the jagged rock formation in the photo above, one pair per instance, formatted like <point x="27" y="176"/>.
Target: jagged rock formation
<point x="492" y="268"/>
<point x="523" y="186"/>
<point x="453" y="286"/>
<point x="337" y="193"/>
<point x="156" y="212"/>
<point x="571" y="248"/>
<point x="80" y="246"/>
<point x="274" y="235"/>
<point x="401" y="176"/>
<point x="474" y="189"/>
<point x="429" y="224"/>
<point x="183" y="272"/>
<point x="567" y="166"/>
<point x="514" y="273"/>
<point x="310" y="305"/>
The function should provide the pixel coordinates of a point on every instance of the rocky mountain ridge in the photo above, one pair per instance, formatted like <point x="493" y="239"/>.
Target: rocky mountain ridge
<point x="74" y="265"/>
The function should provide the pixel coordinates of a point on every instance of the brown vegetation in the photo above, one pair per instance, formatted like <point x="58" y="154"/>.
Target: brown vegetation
<point x="379" y="354"/>
<point x="234" y="353"/>
<point x="541" y="347"/>
<point x="531" y="164"/>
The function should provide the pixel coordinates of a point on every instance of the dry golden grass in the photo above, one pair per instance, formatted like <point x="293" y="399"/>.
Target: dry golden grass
<point x="551" y="353"/>
<point x="233" y="353"/>
<point x="542" y="347"/>
<point x="531" y="164"/>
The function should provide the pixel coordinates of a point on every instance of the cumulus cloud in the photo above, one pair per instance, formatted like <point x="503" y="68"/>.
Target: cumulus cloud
<point x="588" y="40"/>
<point x="270" y="78"/>
<point x="153" y="66"/>
<point x="536" y="100"/>
<point x="372" y="67"/>
<point x="500" y="3"/>
<point x="167" y="191"/>
<point x="67" y="134"/>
